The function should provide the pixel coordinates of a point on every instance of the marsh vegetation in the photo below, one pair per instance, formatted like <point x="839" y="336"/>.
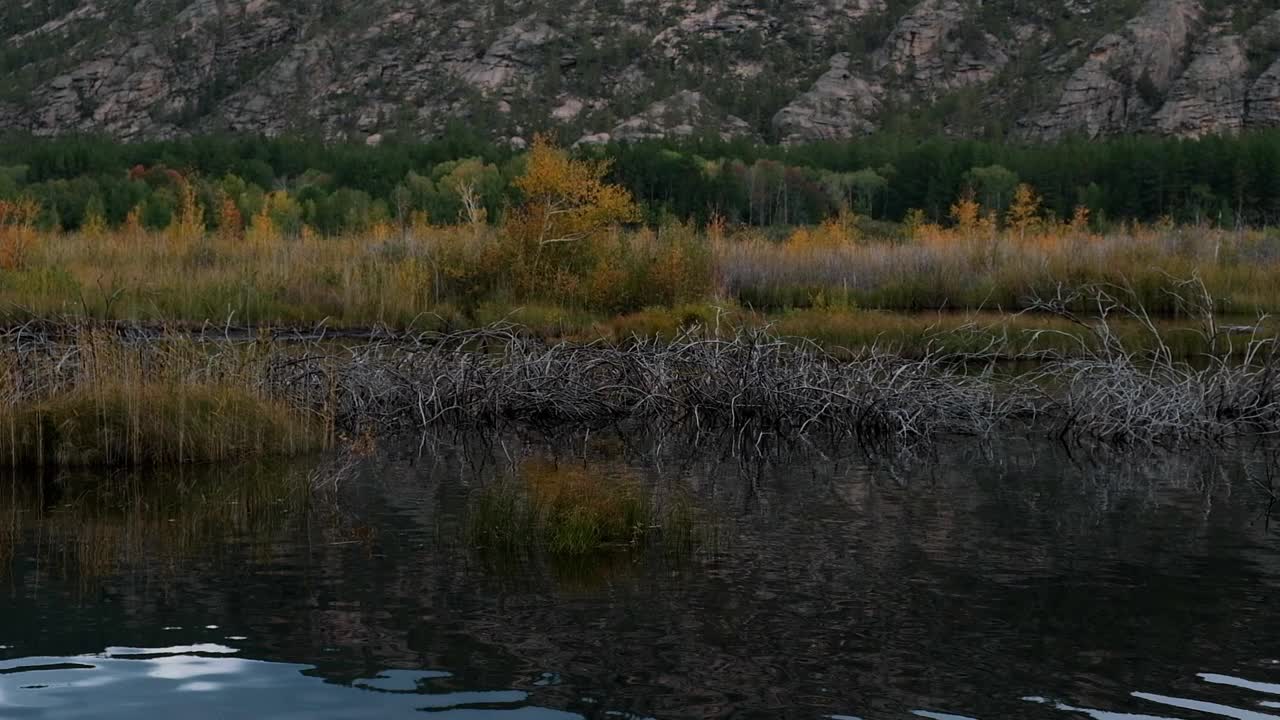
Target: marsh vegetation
<point x="198" y="342"/>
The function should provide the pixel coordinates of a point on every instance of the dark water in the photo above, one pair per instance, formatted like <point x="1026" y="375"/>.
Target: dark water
<point x="1015" y="583"/>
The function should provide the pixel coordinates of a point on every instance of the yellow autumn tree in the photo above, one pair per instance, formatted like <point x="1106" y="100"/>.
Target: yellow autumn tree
<point x="567" y="207"/>
<point x="1024" y="213"/>
<point x="188" y="224"/>
<point x="262" y="229"/>
<point x="966" y="213"/>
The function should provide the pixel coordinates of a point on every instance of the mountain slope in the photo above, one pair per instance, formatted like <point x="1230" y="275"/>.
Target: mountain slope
<point x="626" y="69"/>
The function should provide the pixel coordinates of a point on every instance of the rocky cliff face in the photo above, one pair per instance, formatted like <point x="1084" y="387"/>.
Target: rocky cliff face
<point x="938" y="46"/>
<point x="1209" y="97"/>
<point x="1125" y="75"/>
<point x="1262" y="99"/>
<point x="636" y="69"/>
<point x="838" y="105"/>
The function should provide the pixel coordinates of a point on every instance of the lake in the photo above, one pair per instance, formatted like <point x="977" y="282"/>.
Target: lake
<point x="1014" y="580"/>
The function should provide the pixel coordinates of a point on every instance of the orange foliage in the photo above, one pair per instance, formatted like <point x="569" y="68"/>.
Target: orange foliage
<point x="1080" y="220"/>
<point x="230" y="221"/>
<point x="834" y="232"/>
<point x="966" y="213"/>
<point x="1024" y="213"/>
<point x="133" y="230"/>
<point x="17" y="231"/>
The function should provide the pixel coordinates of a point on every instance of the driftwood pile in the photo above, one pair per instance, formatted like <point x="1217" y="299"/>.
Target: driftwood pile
<point x="749" y="383"/>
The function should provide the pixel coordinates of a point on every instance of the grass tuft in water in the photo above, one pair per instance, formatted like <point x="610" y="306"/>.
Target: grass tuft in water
<point x="572" y="511"/>
<point x="152" y="424"/>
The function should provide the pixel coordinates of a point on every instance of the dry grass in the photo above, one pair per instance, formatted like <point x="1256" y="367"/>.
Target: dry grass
<point x="151" y="424"/>
<point x="425" y="277"/>
<point x="101" y="401"/>
<point x="138" y="275"/>
<point x="450" y="277"/>
<point x="995" y="270"/>
<point x="820" y="283"/>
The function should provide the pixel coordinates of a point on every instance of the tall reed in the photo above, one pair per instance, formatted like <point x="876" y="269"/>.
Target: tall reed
<point x="101" y="401"/>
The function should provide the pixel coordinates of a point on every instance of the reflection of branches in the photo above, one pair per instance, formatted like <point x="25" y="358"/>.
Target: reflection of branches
<point x="106" y="522"/>
<point x="1267" y="482"/>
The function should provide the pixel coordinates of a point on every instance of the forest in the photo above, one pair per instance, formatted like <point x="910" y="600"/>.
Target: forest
<point x="329" y="189"/>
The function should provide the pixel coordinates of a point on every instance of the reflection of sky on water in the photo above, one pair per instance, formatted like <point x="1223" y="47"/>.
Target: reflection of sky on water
<point x="1093" y="713"/>
<point x="205" y="681"/>
<point x="1262" y="687"/>
<point x="1200" y="706"/>
<point x="1206" y="707"/>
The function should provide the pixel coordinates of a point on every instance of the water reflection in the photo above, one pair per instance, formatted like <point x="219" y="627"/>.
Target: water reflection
<point x="133" y="682"/>
<point x="1016" y="581"/>
<point x="1180" y="703"/>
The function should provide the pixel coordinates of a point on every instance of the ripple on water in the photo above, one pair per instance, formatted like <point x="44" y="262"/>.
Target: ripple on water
<point x="1184" y="703"/>
<point x="209" y="680"/>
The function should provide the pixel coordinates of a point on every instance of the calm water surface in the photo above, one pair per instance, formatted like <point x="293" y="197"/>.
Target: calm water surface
<point x="1019" y="582"/>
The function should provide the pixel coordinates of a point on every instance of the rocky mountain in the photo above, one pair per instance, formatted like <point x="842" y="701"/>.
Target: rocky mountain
<point x="598" y="70"/>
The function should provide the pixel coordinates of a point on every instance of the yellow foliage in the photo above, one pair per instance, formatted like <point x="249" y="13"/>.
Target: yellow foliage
<point x="420" y="222"/>
<point x="382" y="231"/>
<point x="188" y="224"/>
<point x="834" y="232"/>
<point x="262" y="229"/>
<point x="1024" y="213"/>
<point x="567" y="204"/>
<point x="133" y="229"/>
<point x="800" y="238"/>
<point x="17" y="231"/>
<point x="94" y="225"/>
<point x="566" y="199"/>
<point x="966" y="213"/>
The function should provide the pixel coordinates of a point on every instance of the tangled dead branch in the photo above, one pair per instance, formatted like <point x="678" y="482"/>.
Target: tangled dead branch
<point x="748" y="383"/>
<point x="1112" y="393"/>
<point x="751" y="383"/>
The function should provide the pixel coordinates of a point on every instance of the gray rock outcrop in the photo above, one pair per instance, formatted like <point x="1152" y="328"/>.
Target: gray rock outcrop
<point x="841" y="104"/>
<point x="682" y="115"/>
<point x="937" y="47"/>
<point x="1210" y="96"/>
<point x="1263" y="105"/>
<point x="1126" y="74"/>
